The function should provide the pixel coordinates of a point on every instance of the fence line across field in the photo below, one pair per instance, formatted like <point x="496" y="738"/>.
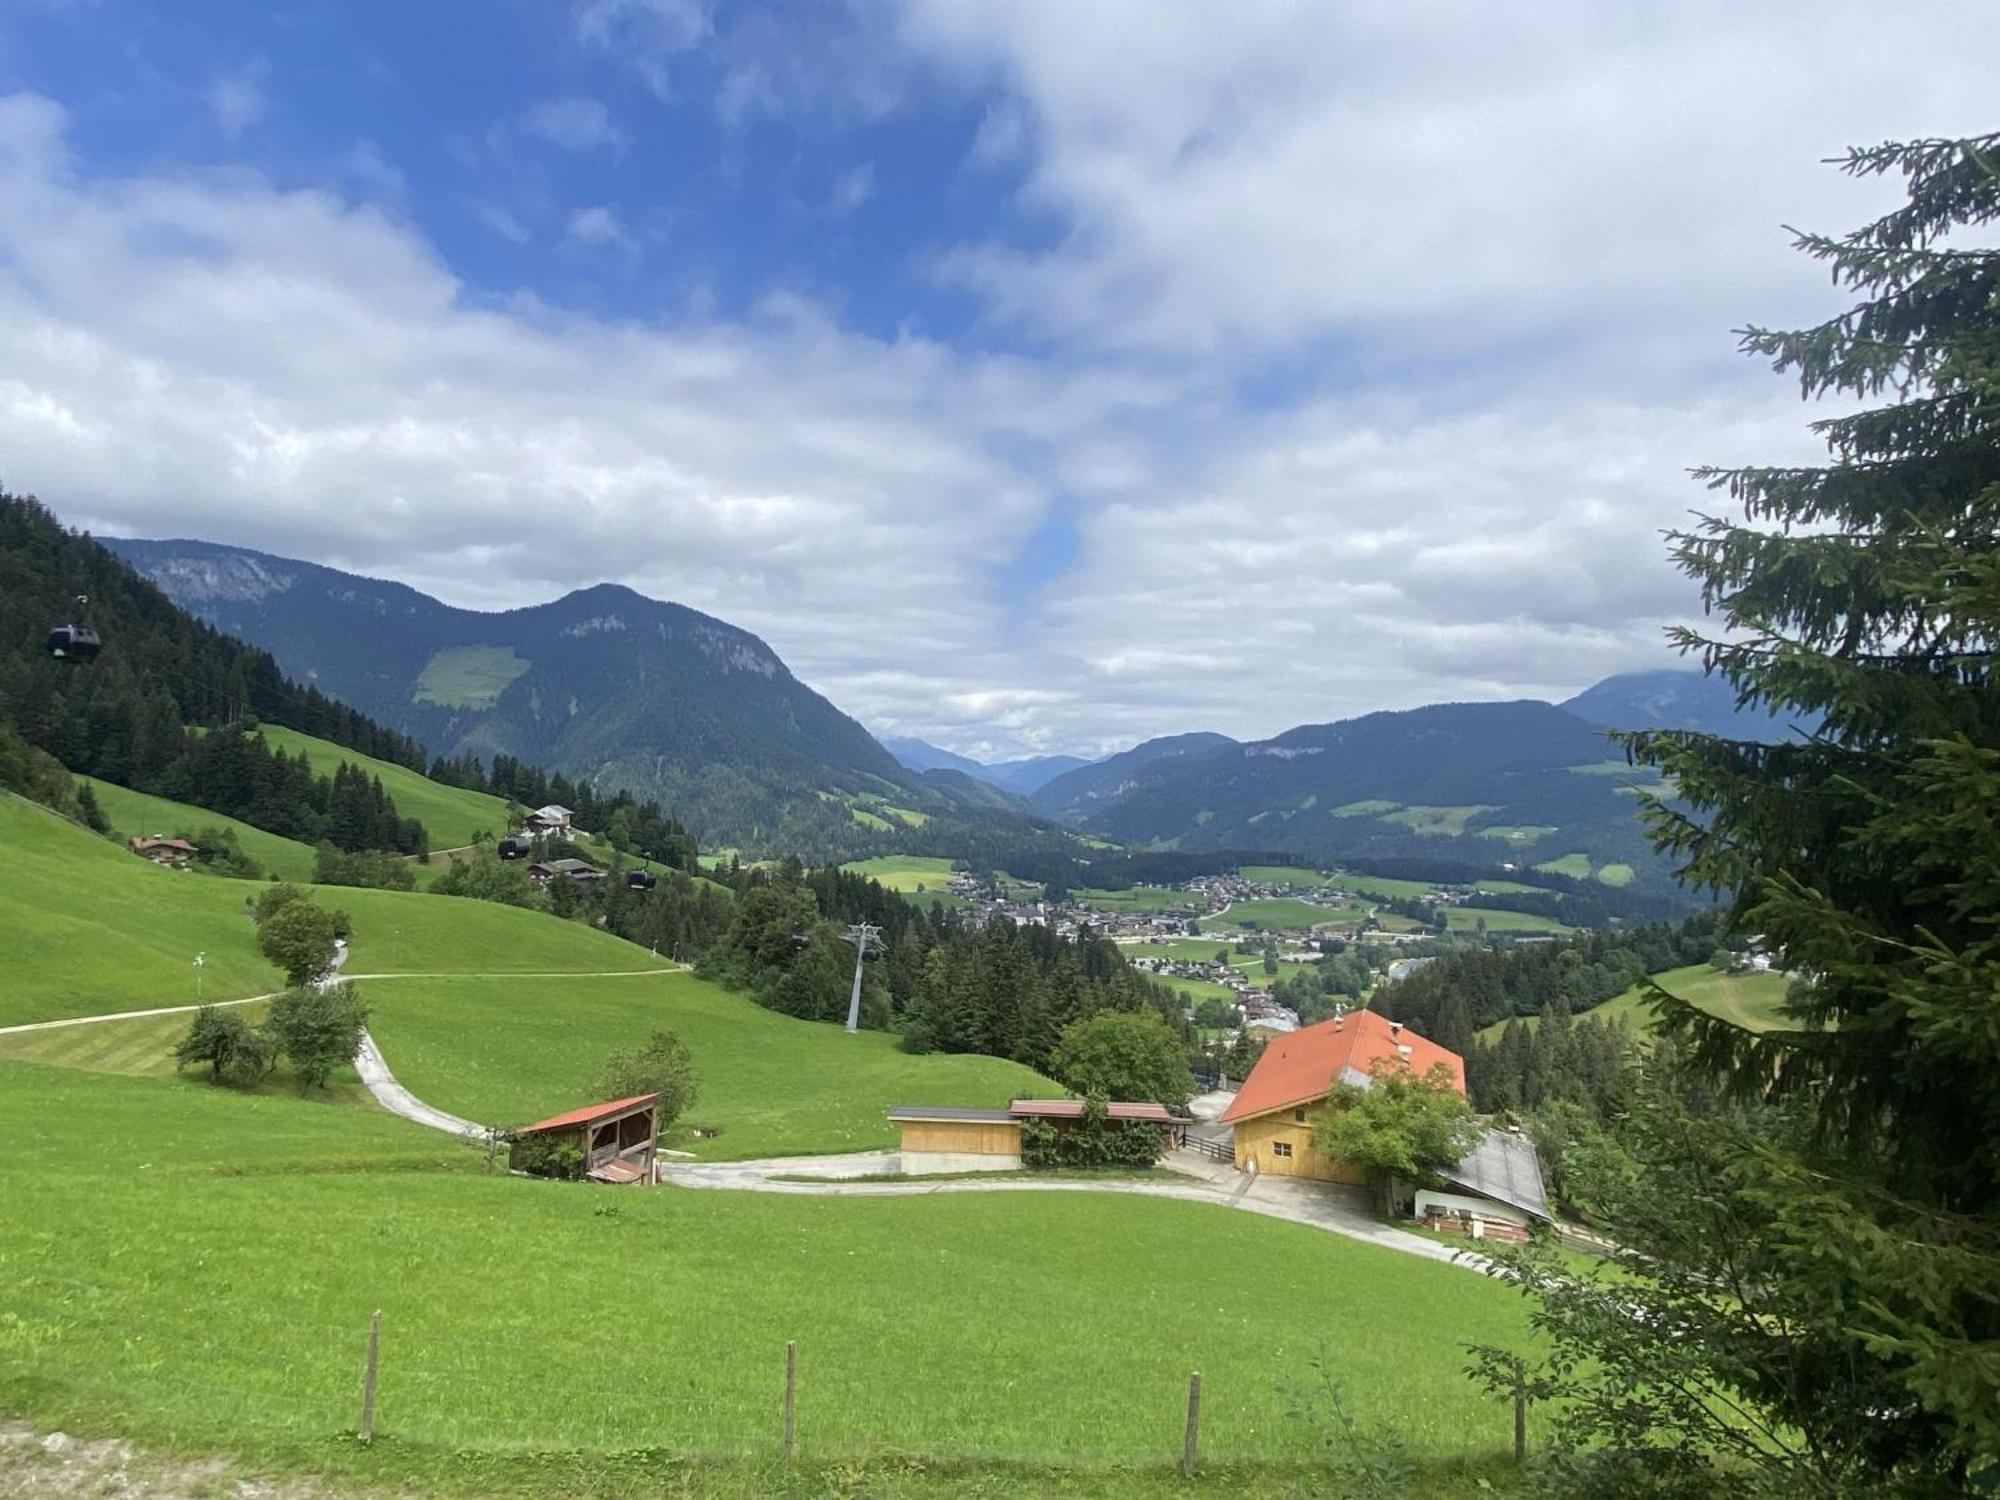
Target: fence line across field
<point x="370" y="1377"/>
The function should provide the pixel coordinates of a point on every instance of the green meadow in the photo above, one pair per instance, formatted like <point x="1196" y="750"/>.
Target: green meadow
<point x="1140" y="898"/>
<point x="450" y="815"/>
<point x="1283" y="875"/>
<point x="508" y="1050"/>
<point x="133" y="812"/>
<point x="1752" y="1001"/>
<point x="1283" y="914"/>
<point x="560" y="1339"/>
<point x="1469" y="919"/>
<point x="90" y="927"/>
<point x="469" y="676"/>
<point x="1435" y="820"/>
<point x="97" y="929"/>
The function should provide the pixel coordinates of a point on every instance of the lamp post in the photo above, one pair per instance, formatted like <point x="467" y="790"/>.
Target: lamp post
<point x="200" y="961"/>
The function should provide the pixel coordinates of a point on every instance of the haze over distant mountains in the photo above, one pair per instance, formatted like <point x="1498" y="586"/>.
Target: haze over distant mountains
<point x="635" y="692"/>
<point x="1020" y="776"/>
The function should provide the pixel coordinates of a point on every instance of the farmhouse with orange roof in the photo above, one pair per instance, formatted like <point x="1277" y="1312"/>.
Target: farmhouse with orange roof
<point x="1272" y="1114"/>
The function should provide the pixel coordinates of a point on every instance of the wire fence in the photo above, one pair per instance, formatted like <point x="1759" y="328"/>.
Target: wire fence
<point x="378" y="1376"/>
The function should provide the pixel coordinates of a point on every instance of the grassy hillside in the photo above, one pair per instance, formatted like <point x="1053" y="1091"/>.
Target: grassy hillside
<point x="133" y="812"/>
<point x="450" y="815"/>
<point x="512" y="1050"/>
<point x="1748" y="1000"/>
<point x="99" y="929"/>
<point x="88" y="927"/>
<point x="501" y="1297"/>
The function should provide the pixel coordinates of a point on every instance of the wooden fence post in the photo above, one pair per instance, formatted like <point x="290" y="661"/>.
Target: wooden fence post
<point x="791" y="1394"/>
<point x="1520" y="1411"/>
<point x="368" y="1377"/>
<point x="1191" y="1444"/>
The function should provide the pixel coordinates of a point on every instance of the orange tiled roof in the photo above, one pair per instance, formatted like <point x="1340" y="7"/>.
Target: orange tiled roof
<point x="1302" y="1066"/>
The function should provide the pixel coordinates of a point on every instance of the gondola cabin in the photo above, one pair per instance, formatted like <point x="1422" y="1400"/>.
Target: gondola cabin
<point x="641" y="880"/>
<point x="73" y="643"/>
<point x="514" y="847"/>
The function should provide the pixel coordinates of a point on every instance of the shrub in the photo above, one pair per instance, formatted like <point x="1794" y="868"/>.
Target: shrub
<point x="547" y="1156"/>
<point x="317" y="1030"/>
<point x="229" y="1044"/>
<point x="663" y="1066"/>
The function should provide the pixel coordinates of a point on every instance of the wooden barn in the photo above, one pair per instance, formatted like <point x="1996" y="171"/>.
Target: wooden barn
<point x="945" y="1138"/>
<point x="617" y="1140"/>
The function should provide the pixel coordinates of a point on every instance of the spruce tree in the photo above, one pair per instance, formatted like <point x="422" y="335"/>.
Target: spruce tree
<point x="1861" y="599"/>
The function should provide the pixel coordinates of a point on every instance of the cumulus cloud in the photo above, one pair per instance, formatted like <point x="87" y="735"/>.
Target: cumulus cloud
<point x="238" y="100"/>
<point x="1363" y="350"/>
<point x="646" y="35"/>
<point x="575" y="124"/>
<point x="1439" y="178"/>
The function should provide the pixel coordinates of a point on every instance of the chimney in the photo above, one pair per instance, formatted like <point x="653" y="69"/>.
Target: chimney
<point x="1395" y="1028"/>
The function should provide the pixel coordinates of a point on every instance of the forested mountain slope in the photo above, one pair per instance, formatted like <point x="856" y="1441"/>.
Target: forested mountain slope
<point x="1523" y="782"/>
<point x="603" y="684"/>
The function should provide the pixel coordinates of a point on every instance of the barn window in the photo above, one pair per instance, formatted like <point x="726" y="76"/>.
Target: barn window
<point x="1299" y="1115"/>
<point x="1281" y="1148"/>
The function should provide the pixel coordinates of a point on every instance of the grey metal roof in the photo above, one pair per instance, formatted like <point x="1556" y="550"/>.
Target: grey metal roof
<point x="1505" y="1168"/>
<point x="950" y="1112"/>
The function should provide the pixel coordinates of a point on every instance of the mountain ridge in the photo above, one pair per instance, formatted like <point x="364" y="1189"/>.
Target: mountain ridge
<point x="603" y="683"/>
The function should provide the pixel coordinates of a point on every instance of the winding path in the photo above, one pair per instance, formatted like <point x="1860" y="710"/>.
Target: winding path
<point x="1200" y="1179"/>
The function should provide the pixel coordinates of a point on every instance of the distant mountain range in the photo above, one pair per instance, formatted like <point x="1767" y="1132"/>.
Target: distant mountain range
<point x="1022" y="777"/>
<point x="671" y="703"/>
<point x="603" y="683"/>
<point x="1678" y="699"/>
<point x="1526" y="783"/>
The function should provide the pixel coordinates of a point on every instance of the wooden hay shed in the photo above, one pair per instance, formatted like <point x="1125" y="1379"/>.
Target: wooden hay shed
<point x="616" y="1140"/>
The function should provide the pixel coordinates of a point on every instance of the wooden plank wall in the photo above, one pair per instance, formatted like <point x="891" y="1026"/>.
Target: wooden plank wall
<point x="978" y="1137"/>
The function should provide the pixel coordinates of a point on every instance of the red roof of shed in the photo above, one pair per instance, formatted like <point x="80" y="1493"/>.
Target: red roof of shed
<point x="1302" y="1066"/>
<point x="587" y="1114"/>
<point x="1072" y="1109"/>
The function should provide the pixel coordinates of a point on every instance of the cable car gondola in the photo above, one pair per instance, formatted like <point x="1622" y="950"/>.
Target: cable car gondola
<point x="513" y="847"/>
<point x="641" y="880"/>
<point x="76" y="643"/>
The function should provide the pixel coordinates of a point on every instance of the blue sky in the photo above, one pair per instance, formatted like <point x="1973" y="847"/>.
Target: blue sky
<point x="1034" y="377"/>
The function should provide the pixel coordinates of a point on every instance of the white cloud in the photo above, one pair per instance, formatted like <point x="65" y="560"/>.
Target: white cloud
<point x="501" y="221"/>
<point x="853" y="188"/>
<point x="1369" y="347"/>
<point x="599" y="226"/>
<point x="238" y="100"/>
<point x="575" y="124"/>
<point x="647" y="35"/>
<point x="1436" y="179"/>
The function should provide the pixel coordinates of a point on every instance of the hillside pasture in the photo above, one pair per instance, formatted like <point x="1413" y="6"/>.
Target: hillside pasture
<point x="450" y="815"/>
<point x="1140" y="898"/>
<point x="89" y="927"/>
<point x="1575" y="866"/>
<point x="1367" y="807"/>
<point x="1283" y="914"/>
<point x="1750" y="1000"/>
<point x="468" y="676"/>
<point x="1517" y="835"/>
<point x="1297" y="875"/>
<point x="505" y="1051"/>
<point x="284" y="1225"/>
<point x="143" y="1047"/>
<point x="1439" y="821"/>
<point x="904" y="873"/>
<point x="1385" y="886"/>
<point x="1469" y="918"/>
<point x="133" y="812"/>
